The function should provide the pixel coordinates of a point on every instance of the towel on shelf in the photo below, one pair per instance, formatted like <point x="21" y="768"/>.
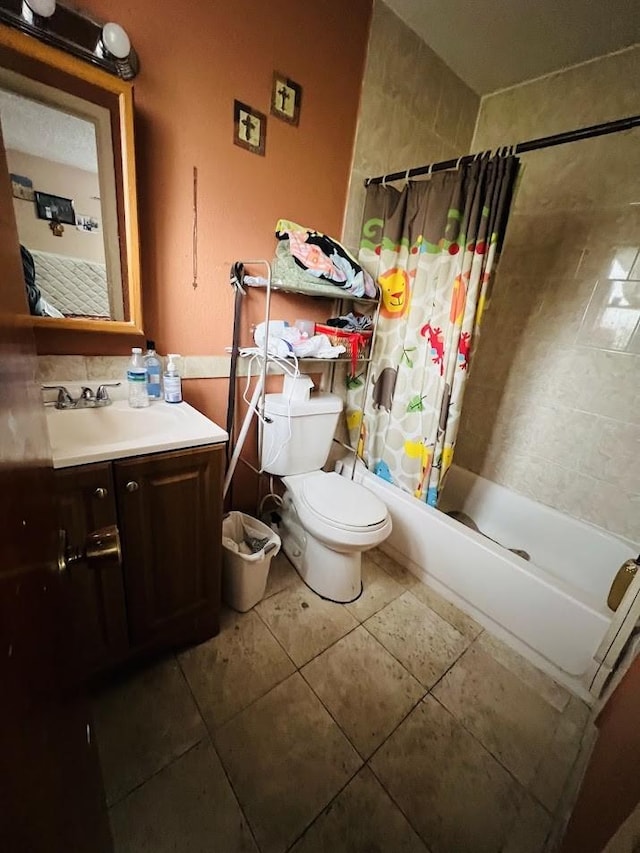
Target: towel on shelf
<point x="322" y="257"/>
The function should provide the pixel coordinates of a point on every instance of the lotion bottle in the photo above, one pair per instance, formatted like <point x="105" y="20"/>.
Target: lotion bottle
<point x="172" y="381"/>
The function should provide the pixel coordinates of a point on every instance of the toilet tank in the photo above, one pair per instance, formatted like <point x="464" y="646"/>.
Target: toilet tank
<point x="298" y="439"/>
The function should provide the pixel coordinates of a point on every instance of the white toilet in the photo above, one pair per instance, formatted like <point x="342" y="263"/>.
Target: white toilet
<point x="327" y="520"/>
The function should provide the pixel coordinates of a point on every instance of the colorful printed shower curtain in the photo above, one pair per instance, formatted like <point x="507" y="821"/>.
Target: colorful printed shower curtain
<point x="432" y="248"/>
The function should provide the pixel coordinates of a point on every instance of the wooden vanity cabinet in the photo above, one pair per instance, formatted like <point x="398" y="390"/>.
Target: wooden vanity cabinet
<point x="166" y="593"/>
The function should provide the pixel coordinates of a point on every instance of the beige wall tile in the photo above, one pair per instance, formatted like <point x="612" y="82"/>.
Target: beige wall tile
<point x="414" y="110"/>
<point x="555" y="415"/>
<point x="59" y="368"/>
<point x="103" y="367"/>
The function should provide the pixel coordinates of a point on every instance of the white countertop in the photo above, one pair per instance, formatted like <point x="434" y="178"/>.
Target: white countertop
<point x="80" y="436"/>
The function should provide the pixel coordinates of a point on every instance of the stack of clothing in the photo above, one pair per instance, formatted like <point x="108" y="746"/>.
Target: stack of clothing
<point x="304" y="254"/>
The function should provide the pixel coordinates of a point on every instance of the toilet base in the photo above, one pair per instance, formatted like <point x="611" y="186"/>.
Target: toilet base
<point x="331" y="574"/>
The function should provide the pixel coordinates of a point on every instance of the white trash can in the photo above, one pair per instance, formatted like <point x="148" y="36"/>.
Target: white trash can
<point x="248" y="546"/>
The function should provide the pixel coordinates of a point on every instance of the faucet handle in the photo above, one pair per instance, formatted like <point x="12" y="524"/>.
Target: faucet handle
<point x="102" y="393"/>
<point x="64" y="397"/>
<point x="87" y="394"/>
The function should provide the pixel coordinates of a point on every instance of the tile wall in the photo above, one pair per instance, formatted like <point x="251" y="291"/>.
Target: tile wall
<point x="552" y="409"/>
<point x="413" y="111"/>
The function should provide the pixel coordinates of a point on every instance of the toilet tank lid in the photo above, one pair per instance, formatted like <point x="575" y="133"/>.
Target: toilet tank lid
<point x="318" y="404"/>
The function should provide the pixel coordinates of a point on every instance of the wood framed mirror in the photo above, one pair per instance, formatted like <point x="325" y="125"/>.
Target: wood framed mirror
<point x="68" y="131"/>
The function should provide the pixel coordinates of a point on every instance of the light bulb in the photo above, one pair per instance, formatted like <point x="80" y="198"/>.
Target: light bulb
<point x="116" y="41"/>
<point x="44" y="8"/>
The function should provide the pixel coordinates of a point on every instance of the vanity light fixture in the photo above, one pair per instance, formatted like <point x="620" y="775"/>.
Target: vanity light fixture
<point x="114" y="43"/>
<point x="41" y="8"/>
<point x="115" y="40"/>
<point x="54" y="22"/>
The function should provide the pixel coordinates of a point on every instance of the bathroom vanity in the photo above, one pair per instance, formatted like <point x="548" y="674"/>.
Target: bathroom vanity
<point x="166" y="502"/>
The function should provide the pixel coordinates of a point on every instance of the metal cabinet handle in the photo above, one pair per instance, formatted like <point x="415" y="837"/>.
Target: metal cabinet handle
<point x="100" y="547"/>
<point x="100" y="493"/>
<point x="132" y="486"/>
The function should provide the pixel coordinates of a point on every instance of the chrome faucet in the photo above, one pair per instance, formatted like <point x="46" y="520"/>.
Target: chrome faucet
<point x="86" y="400"/>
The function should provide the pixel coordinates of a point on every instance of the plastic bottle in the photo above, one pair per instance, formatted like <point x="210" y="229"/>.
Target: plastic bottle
<point x="137" y="380"/>
<point x="172" y="381"/>
<point x="154" y="372"/>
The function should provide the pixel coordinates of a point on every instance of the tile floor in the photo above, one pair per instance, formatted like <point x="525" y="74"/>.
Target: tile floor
<point x="392" y="724"/>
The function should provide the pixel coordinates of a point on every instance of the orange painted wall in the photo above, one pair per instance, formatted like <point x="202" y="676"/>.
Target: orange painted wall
<point x="196" y="57"/>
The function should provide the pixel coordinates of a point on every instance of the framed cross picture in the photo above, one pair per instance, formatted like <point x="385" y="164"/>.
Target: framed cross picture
<point x="285" y="99"/>
<point x="249" y="128"/>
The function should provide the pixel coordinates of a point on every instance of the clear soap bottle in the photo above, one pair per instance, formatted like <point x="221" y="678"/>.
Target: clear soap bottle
<point x="154" y="372"/>
<point x="172" y="381"/>
<point x="137" y="380"/>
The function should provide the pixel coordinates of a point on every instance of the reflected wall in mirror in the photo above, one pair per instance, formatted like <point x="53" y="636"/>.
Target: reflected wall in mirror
<point x="68" y="131"/>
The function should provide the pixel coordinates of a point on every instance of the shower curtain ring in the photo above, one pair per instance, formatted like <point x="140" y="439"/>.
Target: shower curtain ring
<point x="406" y="177"/>
<point x="458" y="161"/>
<point x="384" y="181"/>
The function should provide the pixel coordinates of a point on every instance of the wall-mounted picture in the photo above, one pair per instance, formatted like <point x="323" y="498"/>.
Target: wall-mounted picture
<point x="86" y="223"/>
<point x="249" y="128"/>
<point x="55" y="208"/>
<point x="22" y="187"/>
<point x="286" y="97"/>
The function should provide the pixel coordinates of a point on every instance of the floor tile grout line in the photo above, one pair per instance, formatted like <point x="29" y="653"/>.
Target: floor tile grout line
<point x="527" y="787"/>
<point x="393" y="655"/>
<point x="325" y="807"/>
<point x="254" y="700"/>
<point x="299" y="666"/>
<point x="416" y="704"/>
<point x="396" y="803"/>
<point x="266" y="625"/>
<point x="328" y="710"/>
<point x="157" y="772"/>
<point x="492" y="754"/>
<point x="453" y="663"/>
<point x="222" y="764"/>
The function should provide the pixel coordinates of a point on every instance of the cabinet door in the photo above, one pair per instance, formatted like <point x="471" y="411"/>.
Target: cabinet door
<point x="169" y="509"/>
<point x="87" y="502"/>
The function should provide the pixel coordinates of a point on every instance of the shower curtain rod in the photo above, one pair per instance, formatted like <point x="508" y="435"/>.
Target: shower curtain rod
<point x="521" y="148"/>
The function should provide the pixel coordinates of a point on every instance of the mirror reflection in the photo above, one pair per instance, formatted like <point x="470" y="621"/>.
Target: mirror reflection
<point x="60" y="158"/>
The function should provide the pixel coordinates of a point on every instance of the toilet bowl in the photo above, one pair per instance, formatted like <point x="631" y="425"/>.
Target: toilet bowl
<point x="327" y="520"/>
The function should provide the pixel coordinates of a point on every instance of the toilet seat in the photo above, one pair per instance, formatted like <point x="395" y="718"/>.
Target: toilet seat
<point x="342" y="503"/>
<point x="322" y="520"/>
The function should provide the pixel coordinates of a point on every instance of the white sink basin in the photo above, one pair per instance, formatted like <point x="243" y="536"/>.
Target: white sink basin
<point x="79" y="436"/>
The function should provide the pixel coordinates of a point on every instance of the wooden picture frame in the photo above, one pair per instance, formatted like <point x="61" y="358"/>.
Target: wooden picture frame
<point x="286" y="97"/>
<point x="55" y="208"/>
<point x="249" y="128"/>
<point x="22" y="187"/>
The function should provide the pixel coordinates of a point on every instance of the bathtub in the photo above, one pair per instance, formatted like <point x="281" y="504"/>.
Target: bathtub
<point x="552" y="609"/>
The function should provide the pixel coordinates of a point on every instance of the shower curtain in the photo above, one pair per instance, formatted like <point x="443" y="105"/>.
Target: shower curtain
<point x="432" y="248"/>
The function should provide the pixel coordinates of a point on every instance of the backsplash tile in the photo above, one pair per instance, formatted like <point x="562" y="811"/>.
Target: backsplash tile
<point x="53" y="368"/>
